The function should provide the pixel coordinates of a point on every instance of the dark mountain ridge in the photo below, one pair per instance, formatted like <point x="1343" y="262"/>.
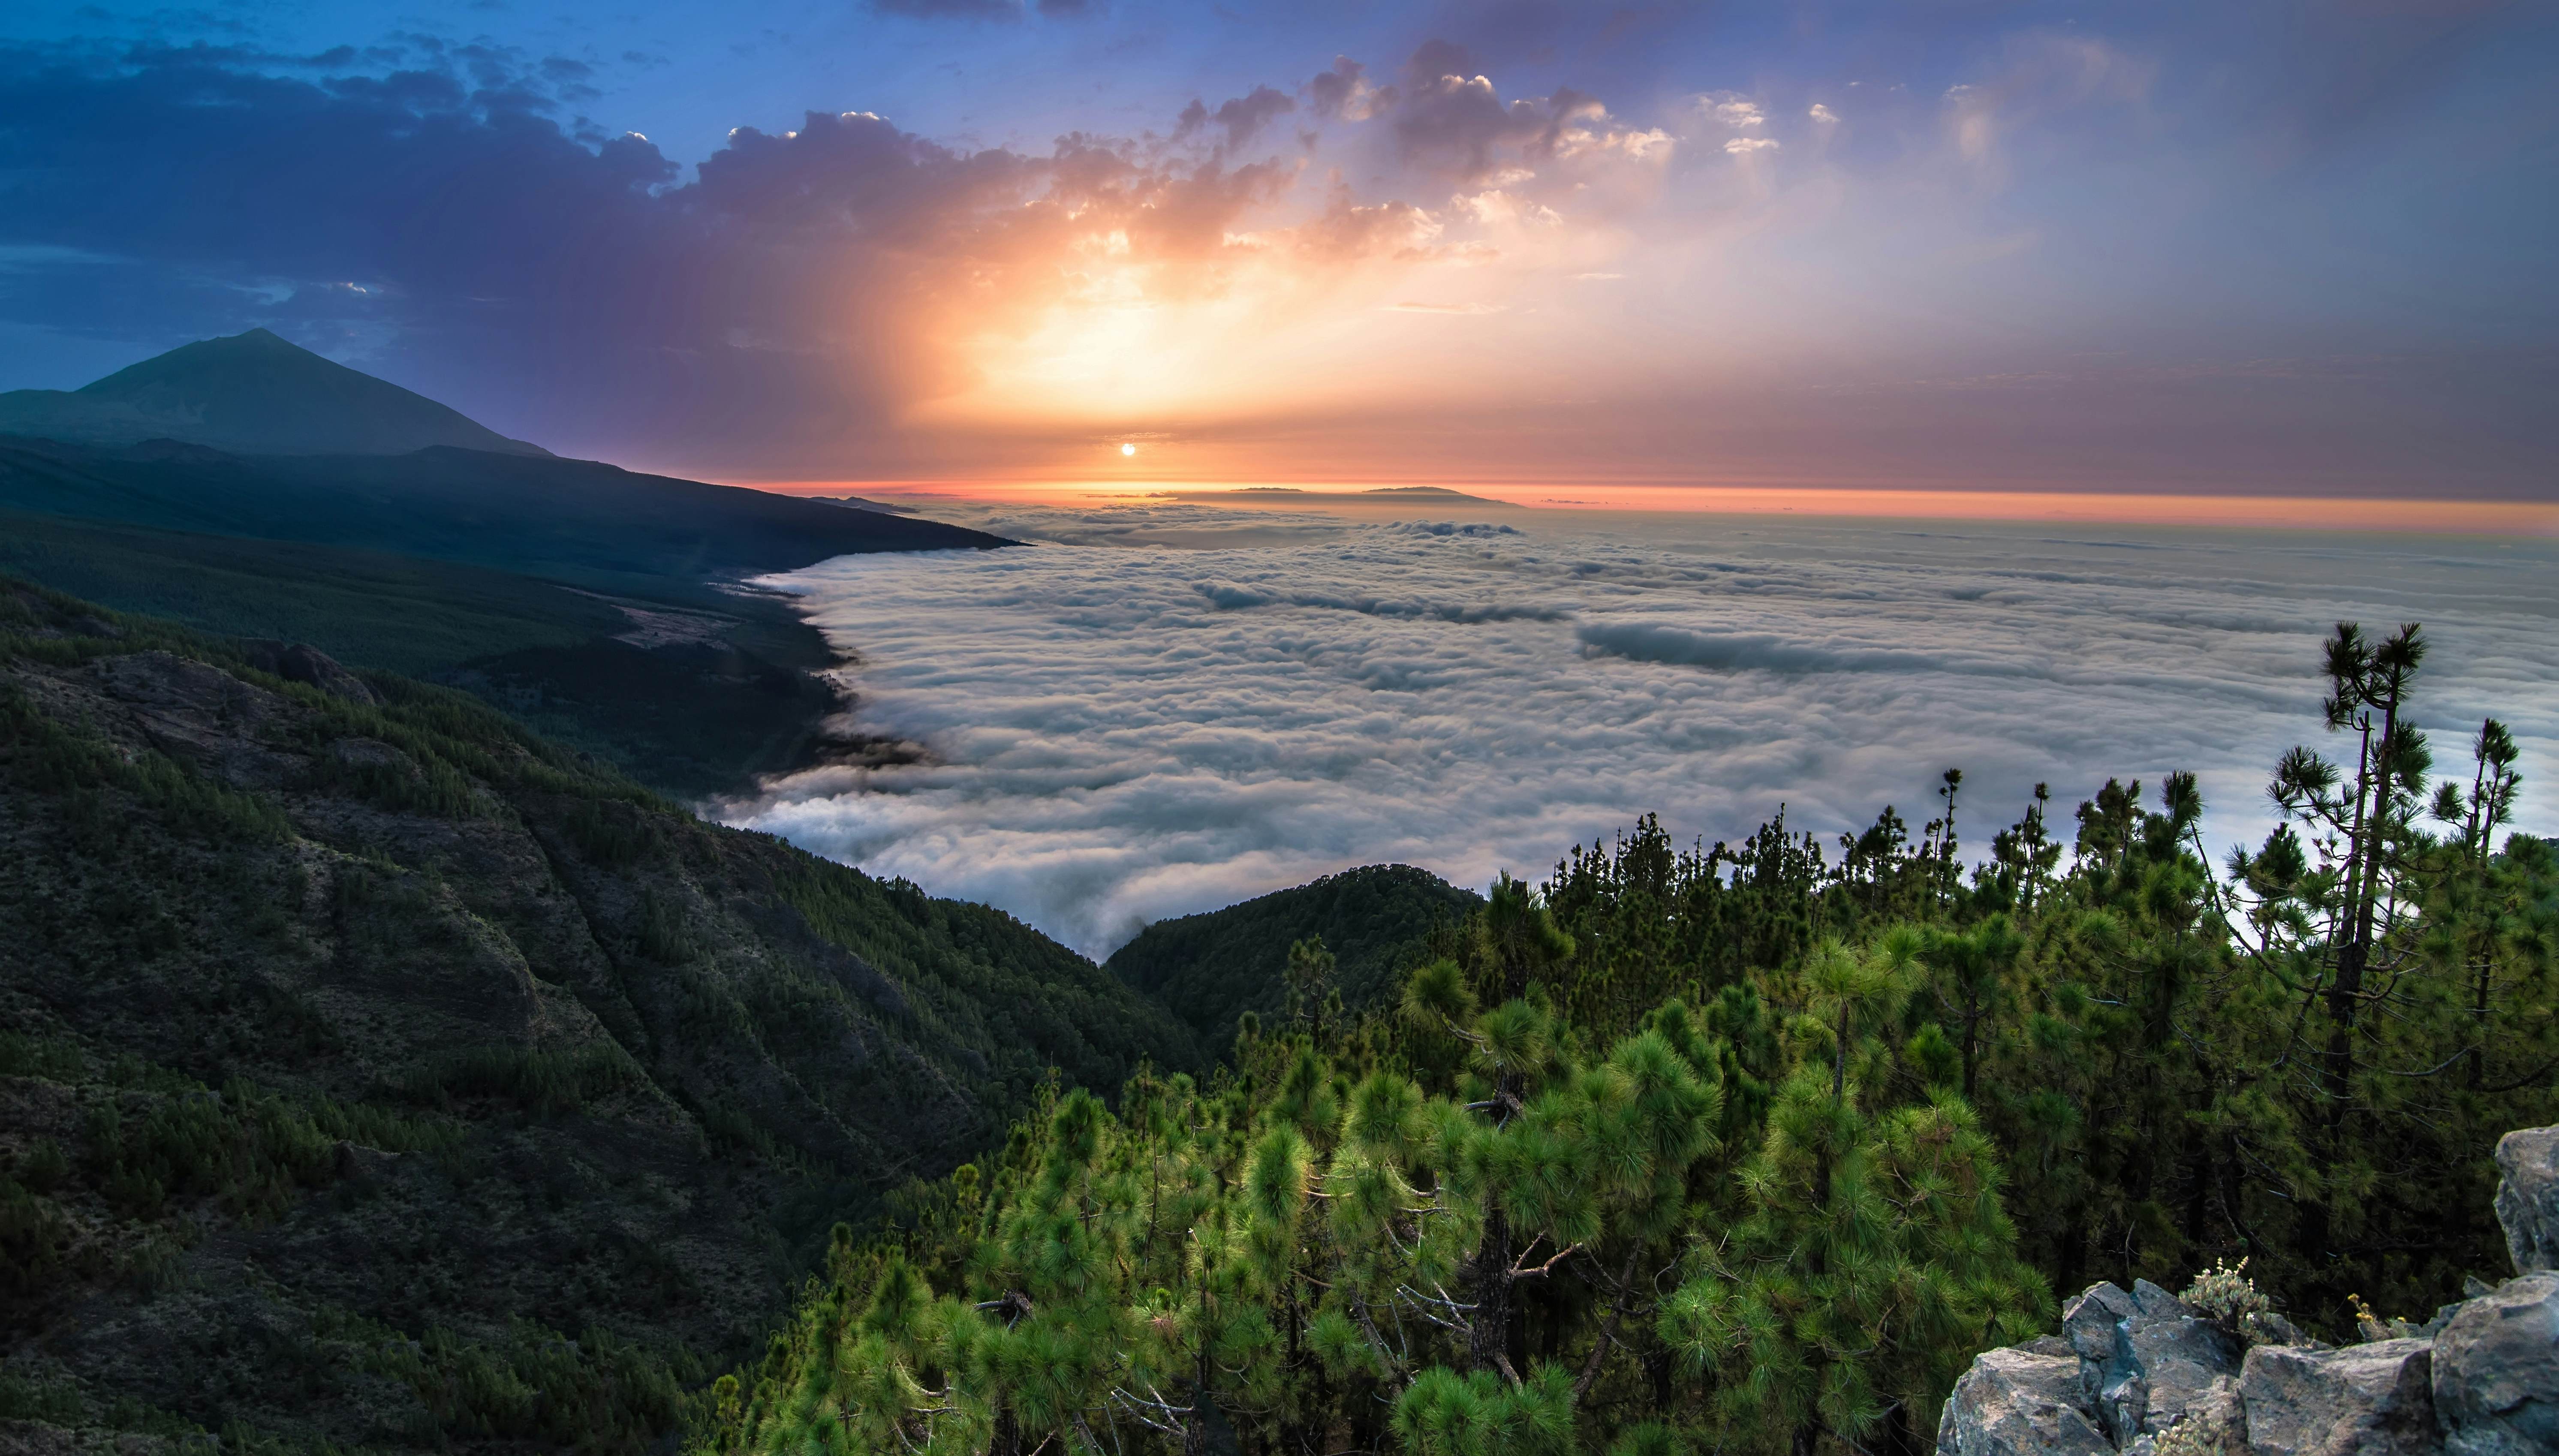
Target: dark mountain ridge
<point x="251" y="394"/>
<point x="563" y="519"/>
<point x="452" y="564"/>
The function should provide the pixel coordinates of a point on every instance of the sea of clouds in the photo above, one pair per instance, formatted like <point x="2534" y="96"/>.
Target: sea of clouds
<point x="1161" y="709"/>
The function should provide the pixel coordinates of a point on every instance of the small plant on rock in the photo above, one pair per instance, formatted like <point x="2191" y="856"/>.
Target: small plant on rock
<point x="2224" y="1294"/>
<point x="2201" y="1434"/>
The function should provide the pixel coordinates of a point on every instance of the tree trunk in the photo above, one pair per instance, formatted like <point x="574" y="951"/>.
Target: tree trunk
<point x="1488" y="1334"/>
<point x="1007" y="1439"/>
<point x="2336" y="1064"/>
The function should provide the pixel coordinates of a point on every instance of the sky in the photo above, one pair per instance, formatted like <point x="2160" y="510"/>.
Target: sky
<point x="2193" y="250"/>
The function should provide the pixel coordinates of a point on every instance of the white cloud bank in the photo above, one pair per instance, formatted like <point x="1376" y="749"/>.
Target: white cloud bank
<point x="1126" y="731"/>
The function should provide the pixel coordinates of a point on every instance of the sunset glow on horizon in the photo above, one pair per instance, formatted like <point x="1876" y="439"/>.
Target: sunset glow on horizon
<point x="2289" y="512"/>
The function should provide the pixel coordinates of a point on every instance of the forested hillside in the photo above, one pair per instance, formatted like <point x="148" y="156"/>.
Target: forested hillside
<point x="1750" y="1148"/>
<point x="1352" y="935"/>
<point x="375" y="1073"/>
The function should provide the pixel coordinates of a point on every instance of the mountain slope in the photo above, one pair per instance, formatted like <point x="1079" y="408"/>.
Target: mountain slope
<point x="566" y="519"/>
<point x="681" y="678"/>
<point x="251" y="394"/>
<point x="1211" y="968"/>
<point x="358" y="1046"/>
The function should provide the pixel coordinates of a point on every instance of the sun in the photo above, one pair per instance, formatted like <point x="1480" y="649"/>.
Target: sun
<point x="1128" y="449"/>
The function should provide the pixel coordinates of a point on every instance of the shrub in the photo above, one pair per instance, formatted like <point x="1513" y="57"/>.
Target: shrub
<point x="2226" y="1296"/>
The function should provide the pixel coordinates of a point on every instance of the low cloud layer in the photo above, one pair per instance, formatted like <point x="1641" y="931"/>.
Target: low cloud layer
<point x="1123" y="733"/>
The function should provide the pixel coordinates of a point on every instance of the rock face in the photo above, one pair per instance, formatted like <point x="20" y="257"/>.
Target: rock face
<point x="2015" y="1403"/>
<point x="2527" y="1197"/>
<point x="2145" y="1358"/>
<point x="299" y="663"/>
<point x="2496" y="1370"/>
<point x="2140" y="1372"/>
<point x="2371" y="1399"/>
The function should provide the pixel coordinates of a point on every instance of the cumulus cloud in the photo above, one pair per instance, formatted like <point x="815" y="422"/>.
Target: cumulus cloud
<point x="802" y="288"/>
<point x="1345" y="93"/>
<point x="1123" y="733"/>
<point x="1458" y="124"/>
<point x="1738" y="112"/>
<point x="1241" y="118"/>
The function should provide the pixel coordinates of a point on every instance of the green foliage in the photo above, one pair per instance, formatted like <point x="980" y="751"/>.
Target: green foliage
<point x="546" y="1083"/>
<point x="975" y="979"/>
<point x="434" y="910"/>
<point x="52" y="759"/>
<point x="26" y="1056"/>
<point x="1374" y="924"/>
<point x="2225" y="1293"/>
<point x="593" y="1393"/>
<point x="1321" y="1248"/>
<point x="247" y="1151"/>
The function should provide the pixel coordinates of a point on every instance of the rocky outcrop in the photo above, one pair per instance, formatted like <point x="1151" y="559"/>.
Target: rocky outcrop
<point x="2020" y="1402"/>
<point x="2371" y="1399"/>
<point x="2496" y="1370"/>
<point x="300" y="663"/>
<point x="2141" y="1372"/>
<point x="2527" y="1197"/>
<point x="2145" y="1357"/>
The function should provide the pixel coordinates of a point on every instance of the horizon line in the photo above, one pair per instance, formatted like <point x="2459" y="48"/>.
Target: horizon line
<point x="2351" y="514"/>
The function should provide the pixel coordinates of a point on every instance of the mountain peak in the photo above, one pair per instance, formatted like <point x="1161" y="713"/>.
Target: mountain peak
<point x="249" y="394"/>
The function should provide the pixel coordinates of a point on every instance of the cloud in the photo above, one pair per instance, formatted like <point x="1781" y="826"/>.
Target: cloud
<point x="1737" y="113"/>
<point x="1242" y="118"/>
<point x="1458" y="124"/>
<point x="1123" y="733"/>
<point x="800" y="289"/>
<point x="1346" y="93"/>
<point x="1414" y="306"/>
<point x="844" y="297"/>
<point x="1730" y="652"/>
<point x="2039" y="80"/>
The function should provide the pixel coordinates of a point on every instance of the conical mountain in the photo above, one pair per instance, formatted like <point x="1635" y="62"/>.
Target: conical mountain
<point x="251" y="394"/>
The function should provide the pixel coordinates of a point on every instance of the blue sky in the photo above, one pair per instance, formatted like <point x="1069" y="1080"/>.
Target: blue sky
<point x="2203" y="247"/>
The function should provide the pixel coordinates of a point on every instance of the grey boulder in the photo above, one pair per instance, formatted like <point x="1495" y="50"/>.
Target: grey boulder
<point x="2371" y="1399"/>
<point x="2020" y="1402"/>
<point x="2496" y="1370"/>
<point x="2527" y="1197"/>
<point x="2146" y="1358"/>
